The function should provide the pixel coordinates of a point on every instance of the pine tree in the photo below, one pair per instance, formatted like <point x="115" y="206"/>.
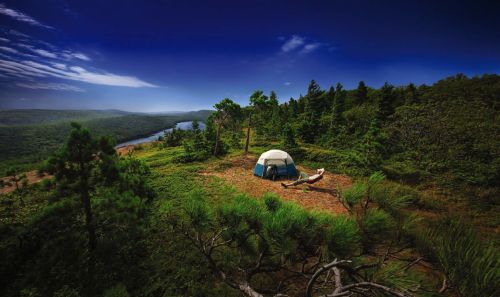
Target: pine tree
<point x="386" y="102"/>
<point x="75" y="168"/>
<point x="258" y="102"/>
<point x="226" y="113"/>
<point x="373" y="145"/>
<point x="338" y="108"/>
<point x="288" y="137"/>
<point x="361" y="93"/>
<point x="411" y="94"/>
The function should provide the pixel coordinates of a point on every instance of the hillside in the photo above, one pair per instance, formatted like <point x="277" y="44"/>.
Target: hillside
<point x="43" y="116"/>
<point x="29" y="136"/>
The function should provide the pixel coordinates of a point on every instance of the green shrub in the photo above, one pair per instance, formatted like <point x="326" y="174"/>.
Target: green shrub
<point x="403" y="171"/>
<point x="472" y="268"/>
<point x="117" y="291"/>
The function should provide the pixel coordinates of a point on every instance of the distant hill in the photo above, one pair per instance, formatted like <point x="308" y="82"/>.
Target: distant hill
<point x="28" y="136"/>
<point x="43" y="116"/>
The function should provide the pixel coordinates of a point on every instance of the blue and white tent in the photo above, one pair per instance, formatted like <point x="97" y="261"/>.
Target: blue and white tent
<point x="280" y="159"/>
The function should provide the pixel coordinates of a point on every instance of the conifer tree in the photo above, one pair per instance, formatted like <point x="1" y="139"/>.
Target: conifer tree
<point x="411" y="94"/>
<point x="288" y="137"/>
<point x="226" y="113"/>
<point x="361" y="95"/>
<point x="75" y="168"/>
<point x="386" y="102"/>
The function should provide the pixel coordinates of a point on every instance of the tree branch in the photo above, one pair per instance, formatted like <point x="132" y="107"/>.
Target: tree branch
<point x="350" y="287"/>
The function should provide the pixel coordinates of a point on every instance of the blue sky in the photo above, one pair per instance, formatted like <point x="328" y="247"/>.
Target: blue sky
<point x="187" y="55"/>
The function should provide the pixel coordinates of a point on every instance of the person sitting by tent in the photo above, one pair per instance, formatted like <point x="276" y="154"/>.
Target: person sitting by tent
<point x="272" y="172"/>
<point x="304" y="178"/>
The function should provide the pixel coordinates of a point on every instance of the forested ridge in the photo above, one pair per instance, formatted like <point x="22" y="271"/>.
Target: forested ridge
<point x="419" y="217"/>
<point x="28" y="136"/>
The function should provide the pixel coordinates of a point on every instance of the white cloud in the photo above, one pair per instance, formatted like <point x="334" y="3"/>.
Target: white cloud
<point x="17" y="33"/>
<point x="107" y="78"/>
<point x="9" y="50"/>
<point x="68" y="55"/>
<point x="38" y="51"/>
<point x="44" y="53"/>
<point x="308" y="48"/>
<point x="59" y="65"/>
<point x="81" y="56"/>
<point x="294" y="42"/>
<point x="75" y="73"/>
<point x="38" y="61"/>
<point x="50" y="86"/>
<point x="287" y="83"/>
<point x="4" y="39"/>
<point x="19" y="16"/>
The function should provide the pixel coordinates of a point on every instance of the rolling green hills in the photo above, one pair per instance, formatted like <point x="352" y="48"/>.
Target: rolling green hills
<point x="29" y="136"/>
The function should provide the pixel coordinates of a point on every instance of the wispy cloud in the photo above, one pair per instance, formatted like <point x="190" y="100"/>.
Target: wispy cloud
<point x="9" y="50"/>
<point x="19" y="16"/>
<point x="75" y="73"/>
<point x="303" y="45"/>
<point x="44" y="53"/>
<point x="287" y="83"/>
<point x="309" y="48"/>
<point x="4" y="39"/>
<point x="27" y="59"/>
<point x="50" y="86"/>
<point x="70" y="55"/>
<point x="294" y="42"/>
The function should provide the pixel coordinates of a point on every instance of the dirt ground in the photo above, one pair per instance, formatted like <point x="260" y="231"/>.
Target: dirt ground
<point x="32" y="176"/>
<point x="319" y="196"/>
<point x="124" y="150"/>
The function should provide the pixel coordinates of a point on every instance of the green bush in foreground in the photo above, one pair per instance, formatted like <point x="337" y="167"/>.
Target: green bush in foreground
<point x="270" y="246"/>
<point x="472" y="268"/>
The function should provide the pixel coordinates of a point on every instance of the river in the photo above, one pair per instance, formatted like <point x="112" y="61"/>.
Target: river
<point x="154" y="137"/>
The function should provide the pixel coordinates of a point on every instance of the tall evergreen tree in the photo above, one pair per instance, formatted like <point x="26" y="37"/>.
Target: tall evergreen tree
<point x="78" y="169"/>
<point x="386" y="102"/>
<point x="338" y="108"/>
<point x="361" y="95"/>
<point x="288" y="137"/>
<point x="226" y="113"/>
<point x="258" y="102"/>
<point x="411" y="94"/>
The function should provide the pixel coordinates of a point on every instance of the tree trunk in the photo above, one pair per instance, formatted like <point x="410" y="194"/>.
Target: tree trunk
<point x="16" y="182"/>
<point x="89" y="225"/>
<point x="217" y="140"/>
<point x="248" y="133"/>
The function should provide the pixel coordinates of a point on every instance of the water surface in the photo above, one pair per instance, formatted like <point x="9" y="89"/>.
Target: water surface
<point x="154" y="137"/>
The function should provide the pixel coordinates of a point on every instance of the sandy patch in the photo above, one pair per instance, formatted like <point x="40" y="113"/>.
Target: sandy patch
<point x="32" y="177"/>
<point x="124" y="150"/>
<point x="319" y="196"/>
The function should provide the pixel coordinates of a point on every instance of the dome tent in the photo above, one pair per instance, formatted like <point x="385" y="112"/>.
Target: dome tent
<point x="280" y="159"/>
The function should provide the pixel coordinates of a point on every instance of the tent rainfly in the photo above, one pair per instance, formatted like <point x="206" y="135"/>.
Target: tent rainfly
<point x="282" y="160"/>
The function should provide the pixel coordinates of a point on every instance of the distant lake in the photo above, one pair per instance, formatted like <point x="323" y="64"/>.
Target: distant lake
<point x="154" y="137"/>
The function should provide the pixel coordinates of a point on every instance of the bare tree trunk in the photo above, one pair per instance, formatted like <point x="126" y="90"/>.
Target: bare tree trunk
<point x="248" y="133"/>
<point x="89" y="225"/>
<point x="217" y="140"/>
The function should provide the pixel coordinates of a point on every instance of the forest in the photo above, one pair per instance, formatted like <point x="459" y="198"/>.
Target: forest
<point x="29" y="136"/>
<point x="418" y="211"/>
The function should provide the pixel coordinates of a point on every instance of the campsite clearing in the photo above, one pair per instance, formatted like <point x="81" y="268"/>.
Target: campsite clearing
<point x="322" y="196"/>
